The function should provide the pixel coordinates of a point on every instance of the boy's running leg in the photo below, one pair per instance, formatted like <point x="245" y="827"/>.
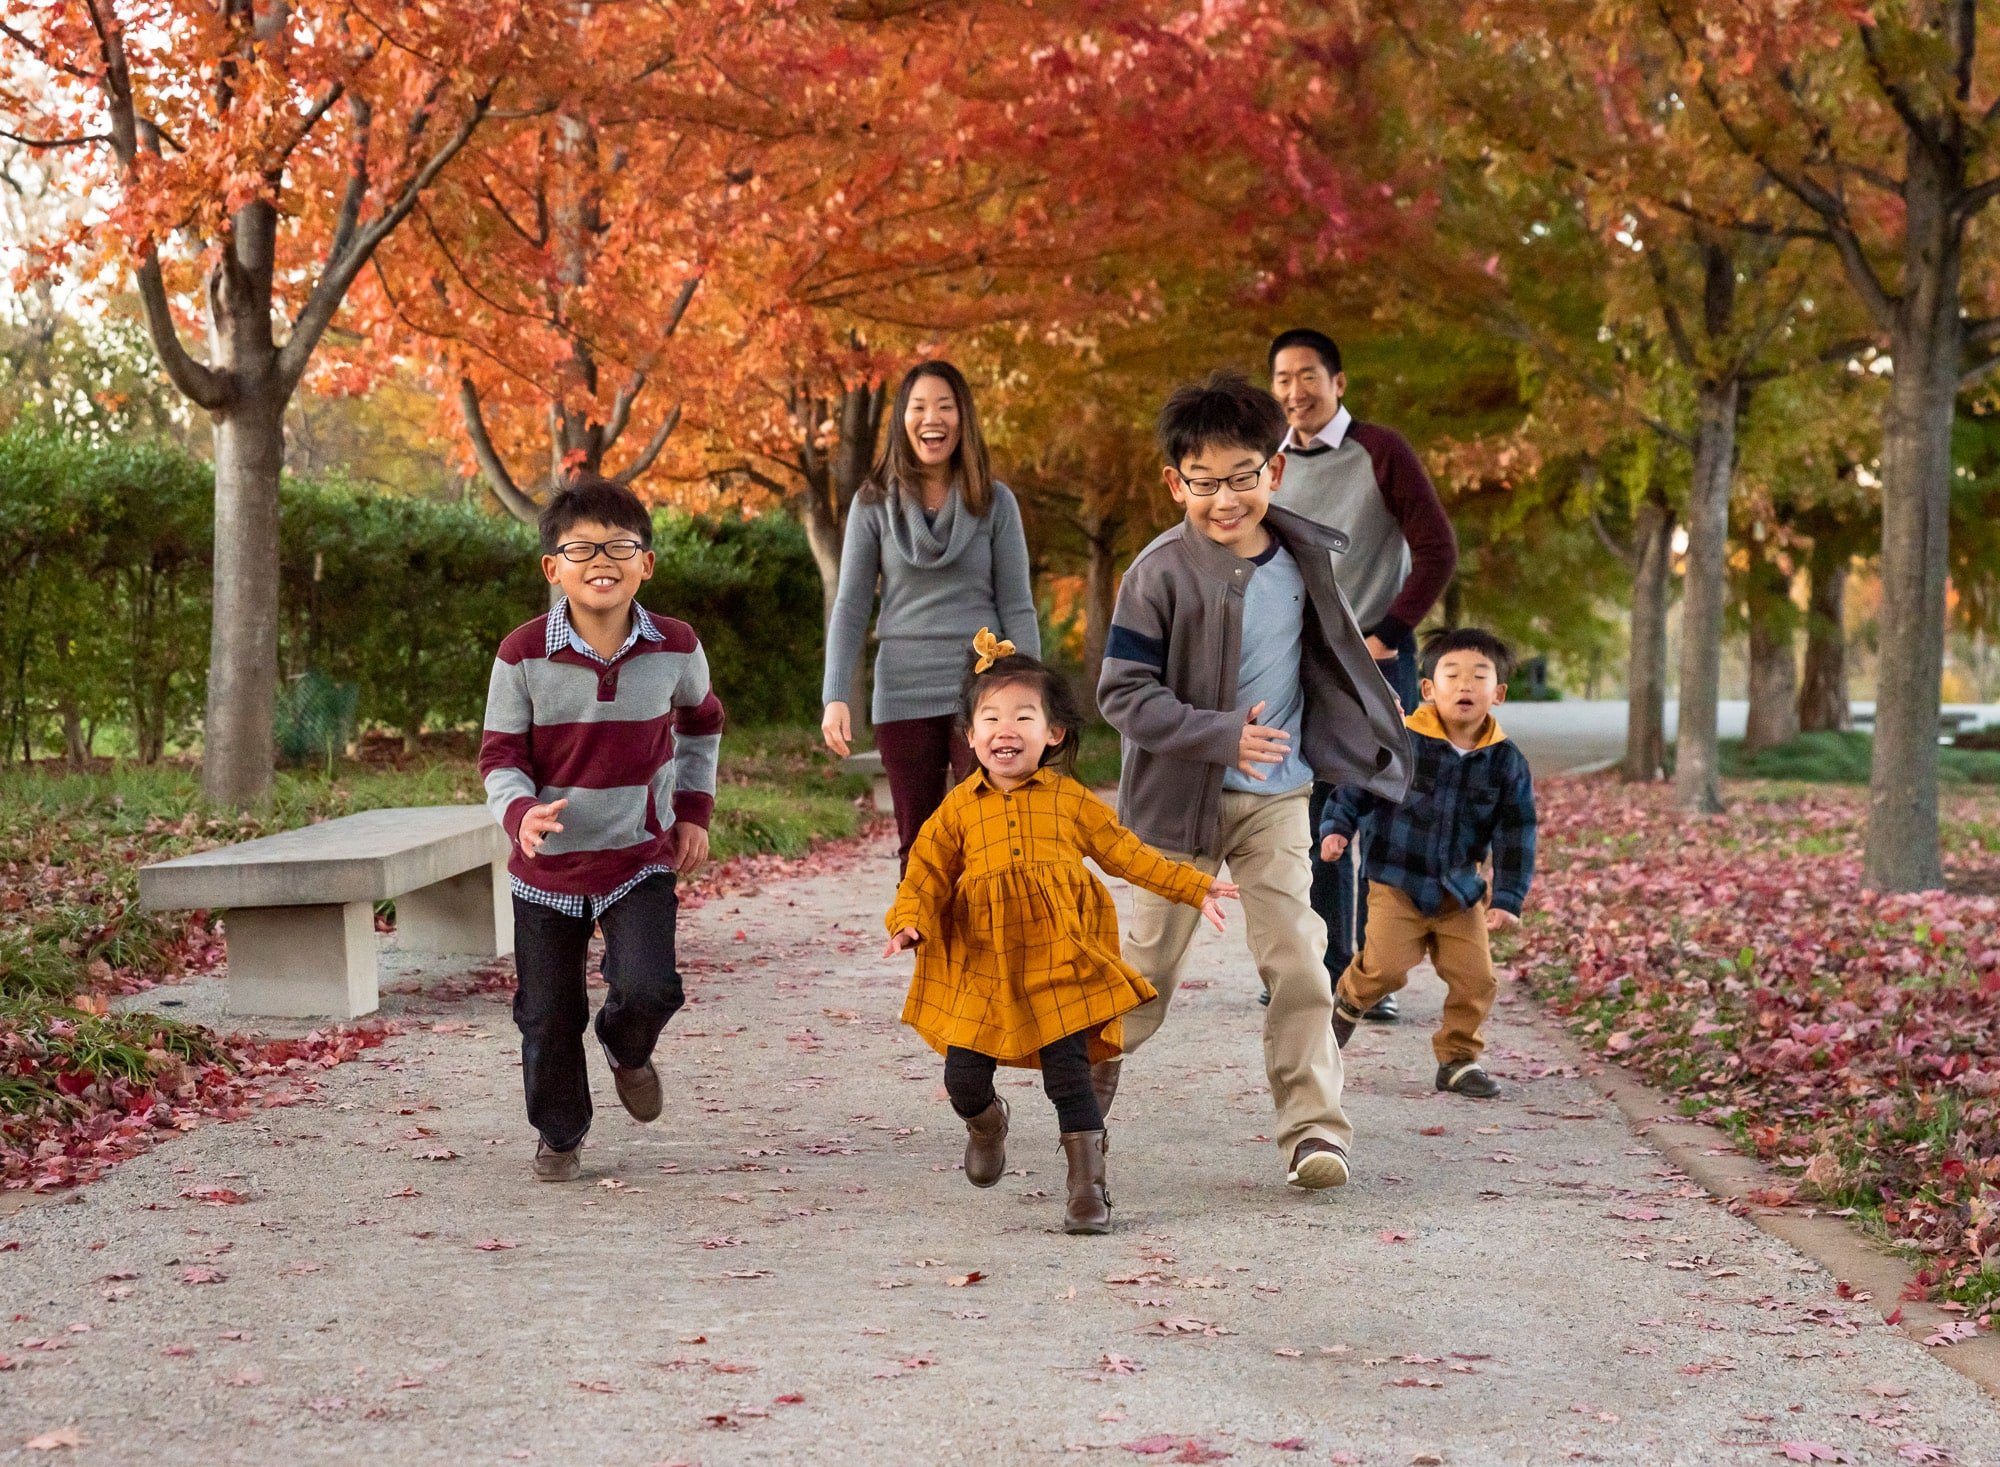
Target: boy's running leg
<point x="1155" y="943"/>
<point x="1394" y="944"/>
<point x="1266" y="841"/>
<point x="645" y="987"/>
<point x="1464" y="958"/>
<point x="968" y="1080"/>
<point x="551" y="1009"/>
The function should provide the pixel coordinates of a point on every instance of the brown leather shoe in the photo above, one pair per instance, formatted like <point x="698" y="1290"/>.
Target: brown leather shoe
<point x="638" y="1090"/>
<point x="1317" y="1164"/>
<point x="986" y="1144"/>
<point x="556" y="1166"/>
<point x="1089" y="1207"/>
<point x="1104" y="1080"/>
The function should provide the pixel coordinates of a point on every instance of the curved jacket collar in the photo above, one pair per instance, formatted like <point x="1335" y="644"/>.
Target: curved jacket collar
<point x="1297" y="534"/>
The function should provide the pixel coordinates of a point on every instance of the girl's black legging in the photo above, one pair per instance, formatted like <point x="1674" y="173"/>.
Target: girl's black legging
<point x="968" y="1079"/>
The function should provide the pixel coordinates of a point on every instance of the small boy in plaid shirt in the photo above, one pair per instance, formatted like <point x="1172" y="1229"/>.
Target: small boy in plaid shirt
<point x="1471" y="792"/>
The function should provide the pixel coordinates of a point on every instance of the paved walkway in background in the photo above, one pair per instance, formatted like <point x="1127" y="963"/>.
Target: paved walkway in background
<point x="1579" y="732"/>
<point x="789" y="1268"/>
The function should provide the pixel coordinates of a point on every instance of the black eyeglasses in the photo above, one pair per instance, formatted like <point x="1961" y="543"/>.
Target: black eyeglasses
<point x="579" y="551"/>
<point x="1241" y="483"/>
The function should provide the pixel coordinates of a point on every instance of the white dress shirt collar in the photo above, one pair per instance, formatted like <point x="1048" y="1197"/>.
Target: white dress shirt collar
<point x="1332" y="435"/>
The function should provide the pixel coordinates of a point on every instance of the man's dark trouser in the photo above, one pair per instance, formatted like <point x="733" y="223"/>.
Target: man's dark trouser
<point x="552" y="1006"/>
<point x="1340" y="899"/>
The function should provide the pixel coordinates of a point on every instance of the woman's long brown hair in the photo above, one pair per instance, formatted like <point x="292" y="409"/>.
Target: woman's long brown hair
<point x="899" y="468"/>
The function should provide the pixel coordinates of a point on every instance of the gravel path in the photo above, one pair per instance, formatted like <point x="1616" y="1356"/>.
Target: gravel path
<point x="788" y="1269"/>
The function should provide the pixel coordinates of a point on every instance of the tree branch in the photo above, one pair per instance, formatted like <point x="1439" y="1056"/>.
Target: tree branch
<point x="653" y="446"/>
<point x="340" y="270"/>
<point x="621" y="409"/>
<point x="81" y="140"/>
<point x="519" y="505"/>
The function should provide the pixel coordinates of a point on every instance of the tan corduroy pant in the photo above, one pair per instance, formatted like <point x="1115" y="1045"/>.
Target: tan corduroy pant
<point x="1399" y="937"/>
<point x="1265" y="841"/>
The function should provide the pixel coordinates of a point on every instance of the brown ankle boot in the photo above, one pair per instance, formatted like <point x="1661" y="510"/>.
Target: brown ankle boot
<point x="1089" y="1208"/>
<point x="986" y="1144"/>
<point x="1104" y="1081"/>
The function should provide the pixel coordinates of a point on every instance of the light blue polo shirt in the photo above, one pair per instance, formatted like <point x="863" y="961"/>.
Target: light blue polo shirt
<point x="1274" y="625"/>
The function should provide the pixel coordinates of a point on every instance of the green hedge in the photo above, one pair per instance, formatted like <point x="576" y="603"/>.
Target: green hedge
<point x="105" y="556"/>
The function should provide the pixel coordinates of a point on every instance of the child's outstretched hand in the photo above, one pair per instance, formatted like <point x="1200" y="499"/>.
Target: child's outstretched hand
<point x="902" y="942"/>
<point x="538" y="825"/>
<point x="1211" y="905"/>
<point x="1331" y="847"/>
<point x="1499" y="921"/>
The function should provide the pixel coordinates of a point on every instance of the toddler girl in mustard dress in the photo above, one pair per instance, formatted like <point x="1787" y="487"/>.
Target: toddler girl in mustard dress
<point x="1017" y="943"/>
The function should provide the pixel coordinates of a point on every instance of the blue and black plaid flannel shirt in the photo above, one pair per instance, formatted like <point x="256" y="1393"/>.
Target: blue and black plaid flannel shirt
<point x="1459" y="807"/>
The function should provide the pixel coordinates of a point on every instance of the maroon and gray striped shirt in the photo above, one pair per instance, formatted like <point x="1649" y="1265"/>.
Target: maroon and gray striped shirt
<point x="630" y="743"/>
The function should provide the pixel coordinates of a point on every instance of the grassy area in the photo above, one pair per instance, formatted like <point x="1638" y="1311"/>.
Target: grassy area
<point x="1843" y="758"/>
<point x="72" y="842"/>
<point x="1097" y="760"/>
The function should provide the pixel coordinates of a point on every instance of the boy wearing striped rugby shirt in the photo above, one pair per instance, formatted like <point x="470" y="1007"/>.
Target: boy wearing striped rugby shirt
<point x="599" y="761"/>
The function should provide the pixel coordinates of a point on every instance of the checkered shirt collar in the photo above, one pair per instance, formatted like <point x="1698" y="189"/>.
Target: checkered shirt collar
<point x="1042" y="775"/>
<point x="558" y="634"/>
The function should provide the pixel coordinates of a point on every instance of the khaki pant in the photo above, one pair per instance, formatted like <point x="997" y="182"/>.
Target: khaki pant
<point x="1399" y="937"/>
<point x="1265" y="841"/>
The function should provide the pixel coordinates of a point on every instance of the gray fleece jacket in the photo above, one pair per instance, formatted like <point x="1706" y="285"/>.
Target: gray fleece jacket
<point x="1169" y="682"/>
<point x="941" y="582"/>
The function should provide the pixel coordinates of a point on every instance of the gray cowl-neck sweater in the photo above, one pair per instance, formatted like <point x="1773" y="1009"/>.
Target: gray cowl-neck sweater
<point x="941" y="581"/>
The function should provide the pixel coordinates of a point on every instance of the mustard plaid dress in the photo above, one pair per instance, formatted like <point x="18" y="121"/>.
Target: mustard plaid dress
<point x="1019" y="943"/>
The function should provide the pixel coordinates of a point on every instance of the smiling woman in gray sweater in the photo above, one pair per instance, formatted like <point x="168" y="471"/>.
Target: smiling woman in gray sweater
<point x="943" y="539"/>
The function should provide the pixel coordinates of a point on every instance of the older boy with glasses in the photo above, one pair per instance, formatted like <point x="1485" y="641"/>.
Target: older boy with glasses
<point x="599" y="762"/>
<point x="1237" y="678"/>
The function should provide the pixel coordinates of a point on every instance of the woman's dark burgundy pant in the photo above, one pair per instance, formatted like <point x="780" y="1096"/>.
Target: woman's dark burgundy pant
<point x="923" y="757"/>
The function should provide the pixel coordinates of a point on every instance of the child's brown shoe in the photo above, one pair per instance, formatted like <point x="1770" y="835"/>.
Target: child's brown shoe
<point x="638" y="1090"/>
<point x="1088" y="1209"/>
<point x="552" y="1165"/>
<point x="986" y="1144"/>
<point x="1464" y="1077"/>
<point x="1317" y="1164"/>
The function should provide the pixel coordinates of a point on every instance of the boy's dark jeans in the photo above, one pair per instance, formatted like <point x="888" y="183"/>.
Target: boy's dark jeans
<point x="552" y="1007"/>
<point x="1337" y="895"/>
<point x="968" y="1079"/>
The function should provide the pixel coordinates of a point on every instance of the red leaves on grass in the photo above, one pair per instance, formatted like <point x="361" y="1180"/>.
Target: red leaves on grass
<point x="1739" y="962"/>
<point x="108" y="1118"/>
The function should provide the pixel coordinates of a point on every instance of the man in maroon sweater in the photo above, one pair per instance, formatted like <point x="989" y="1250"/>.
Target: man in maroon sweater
<point x="1365" y="481"/>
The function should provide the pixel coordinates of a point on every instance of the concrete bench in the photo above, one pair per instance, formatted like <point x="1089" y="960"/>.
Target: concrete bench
<point x="869" y="763"/>
<point x="300" y="906"/>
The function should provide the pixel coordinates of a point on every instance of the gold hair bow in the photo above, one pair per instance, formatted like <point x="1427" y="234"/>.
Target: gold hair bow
<point x="989" y="649"/>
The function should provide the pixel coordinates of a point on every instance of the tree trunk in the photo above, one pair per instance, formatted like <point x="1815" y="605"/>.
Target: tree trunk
<point x="1774" y="678"/>
<point x="1697" y="786"/>
<point x="1902" y="852"/>
<point x="237" y="747"/>
<point x="1646" y="682"/>
<point x="1823" y="688"/>
<point x="1099" y="590"/>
